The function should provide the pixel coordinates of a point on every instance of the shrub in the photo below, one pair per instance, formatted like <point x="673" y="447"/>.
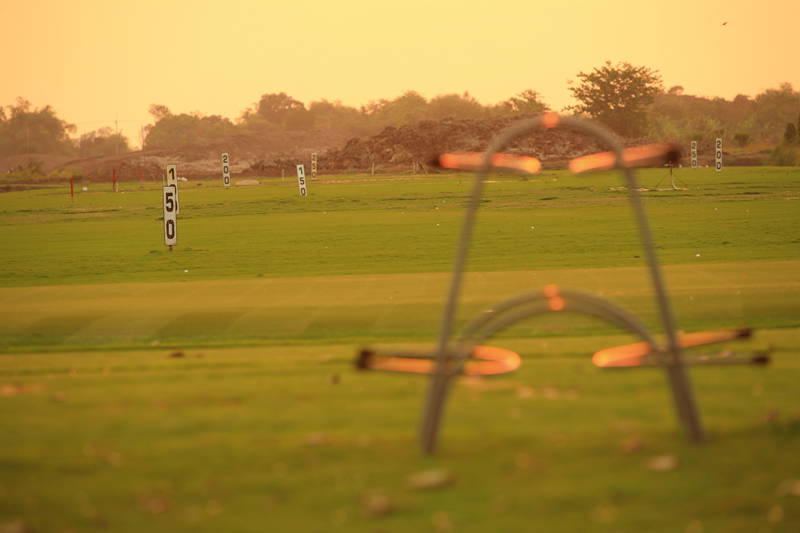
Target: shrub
<point x="742" y="139"/>
<point x="790" y="134"/>
<point x="31" y="170"/>
<point x="783" y="156"/>
<point x="65" y="173"/>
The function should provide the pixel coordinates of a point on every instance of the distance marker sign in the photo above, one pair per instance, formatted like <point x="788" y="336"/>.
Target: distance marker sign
<point x="226" y="169"/>
<point x="718" y="154"/>
<point x="694" y="154"/>
<point x="301" y="180"/>
<point x="170" y="215"/>
<point x="314" y="165"/>
<point x="172" y="175"/>
<point x="172" y="181"/>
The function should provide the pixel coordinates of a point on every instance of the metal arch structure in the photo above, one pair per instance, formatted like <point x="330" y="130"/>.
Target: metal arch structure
<point x="470" y="357"/>
<point x="467" y="355"/>
<point x="682" y="393"/>
<point x="646" y="352"/>
<point x="550" y="299"/>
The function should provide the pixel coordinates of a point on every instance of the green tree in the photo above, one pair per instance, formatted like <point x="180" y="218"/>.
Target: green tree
<point x="283" y="110"/>
<point x="276" y="107"/>
<point x="173" y="131"/>
<point x="663" y="127"/>
<point x="25" y="129"/>
<point x="773" y="109"/>
<point x="408" y="108"/>
<point x="528" y="102"/>
<point x="159" y="111"/>
<point x="683" y="108"/>
<point x="331" y="116"/>
<point x="790" y="133"/>
<point x="454" y="106"/>
<point x="102" y="142"/>
<point x="276" y="112"/>
<point x="783" y="156"/>
<point x="741" y="139"/>
<point x="617" y="95"/>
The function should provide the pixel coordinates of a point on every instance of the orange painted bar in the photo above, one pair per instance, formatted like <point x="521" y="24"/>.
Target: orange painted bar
<point x="551" y="119"/>
<point x="473" y="161"/>
<point x="635" y="156"/>
<point x="483" y="361"/>
<point x="629" y="355"/>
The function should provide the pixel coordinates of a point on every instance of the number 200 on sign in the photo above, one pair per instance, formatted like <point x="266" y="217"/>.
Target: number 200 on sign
<point x="226" y="170"/>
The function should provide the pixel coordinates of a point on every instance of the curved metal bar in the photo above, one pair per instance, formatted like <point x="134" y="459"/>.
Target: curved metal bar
<point x="481" y="360"/>
<point x="440" y="379"/>
<point x="517" y="309"/>
<point x="576" y="301"/>
<point x="511" y="317"/>
<point x="631" y="354"/>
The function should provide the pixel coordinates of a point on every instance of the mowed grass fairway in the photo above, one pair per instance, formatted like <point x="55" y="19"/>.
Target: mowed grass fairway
<point x="211" y="388"/>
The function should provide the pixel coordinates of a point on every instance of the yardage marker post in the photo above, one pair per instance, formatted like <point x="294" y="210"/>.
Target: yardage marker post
<point x="314" y="165"/>
<point x="170" y="217"/>
<point x="172" y="181"/>
<point x="226" y="169"/>
<point x="693" y="153"/>
<point x="170" y="197"/>
<point x="718" y="154"/>
<point x="301" y="180"/>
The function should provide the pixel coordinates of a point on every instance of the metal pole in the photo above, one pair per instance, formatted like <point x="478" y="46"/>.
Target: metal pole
<point x="682" y="395"/>
<point x="440" y="380"/>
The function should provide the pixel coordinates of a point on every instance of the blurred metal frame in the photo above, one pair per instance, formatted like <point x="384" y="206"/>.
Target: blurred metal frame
<point x="680" y="386"/>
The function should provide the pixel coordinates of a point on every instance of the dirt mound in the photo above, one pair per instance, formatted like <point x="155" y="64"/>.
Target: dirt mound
<point x="203" y="160"/>
<point x="45" y="162"/>
<point x="408" y="148"/>
<point x="414" y="147"/>
<point x="411" y="148"/>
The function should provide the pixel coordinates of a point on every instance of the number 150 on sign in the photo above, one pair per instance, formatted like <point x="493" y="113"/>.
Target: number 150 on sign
<point x="170" y="216"/>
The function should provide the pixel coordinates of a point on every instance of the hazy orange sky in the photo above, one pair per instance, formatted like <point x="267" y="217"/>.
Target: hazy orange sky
<point x="97" y="61"/>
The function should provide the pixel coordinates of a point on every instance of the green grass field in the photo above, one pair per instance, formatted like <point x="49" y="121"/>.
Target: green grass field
<point x="211" y="388"/>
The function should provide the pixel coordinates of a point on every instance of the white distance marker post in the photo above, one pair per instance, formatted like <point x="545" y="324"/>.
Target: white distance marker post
<point x="693" y="154"/>
<point x="718" y="154"/>
<point x="301" y="180"/>
<point x="314" y="166"/>
<point x="172" y="181"/>
<point x="170" y="216"/>
<point x="226" y="169"/>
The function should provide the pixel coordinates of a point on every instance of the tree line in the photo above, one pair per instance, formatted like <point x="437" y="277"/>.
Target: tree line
<point x="25" y="129"/>
<point x="279" y="112"/>
<point x="629" y="99"/>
